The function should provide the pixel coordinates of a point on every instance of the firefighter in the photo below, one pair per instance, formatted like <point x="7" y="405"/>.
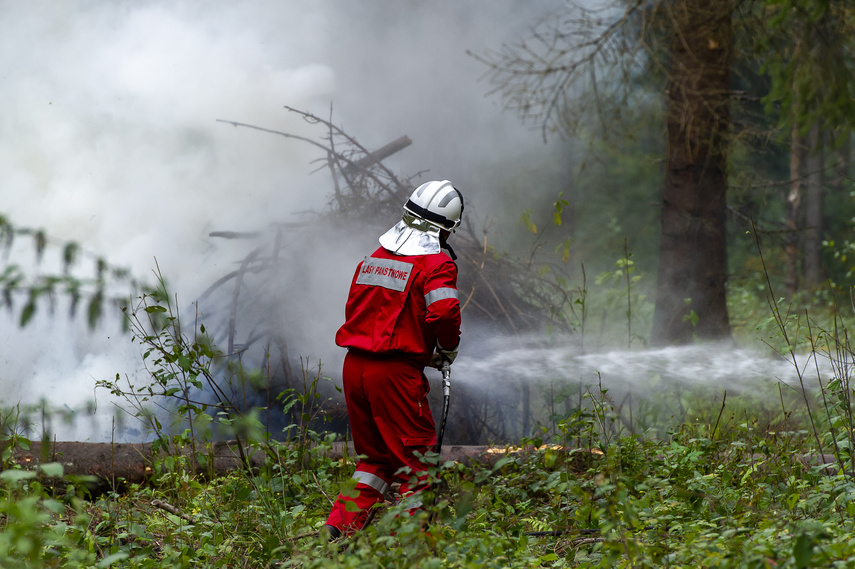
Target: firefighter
<point x="402" y="314"/>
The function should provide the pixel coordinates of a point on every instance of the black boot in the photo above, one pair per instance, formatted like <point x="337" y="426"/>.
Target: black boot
<point x="335" y="533"/>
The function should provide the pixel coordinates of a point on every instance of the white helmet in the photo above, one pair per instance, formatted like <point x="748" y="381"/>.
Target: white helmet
<point x="433" y="207"/>
<point x="438" y="203"/>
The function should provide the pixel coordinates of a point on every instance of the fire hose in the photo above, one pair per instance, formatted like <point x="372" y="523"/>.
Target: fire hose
<point x="446" y="388"/>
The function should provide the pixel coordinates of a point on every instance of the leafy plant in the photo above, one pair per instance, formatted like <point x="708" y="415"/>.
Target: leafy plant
<point x="182" y="368"/>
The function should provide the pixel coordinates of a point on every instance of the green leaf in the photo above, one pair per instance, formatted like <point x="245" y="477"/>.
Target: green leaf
<point x="110" y="559"/>
<point x="16" y="475"/>
<point x="95" y="308"/>
<point x="549" y="458"/>
<point x="29" y="310"/>
<point x="465" y="504"/>
<point x="803" y="550"/>
<point x="52" y="469"/>
<point x="525" y="220"/>
<point x="564" y="250"/>
<point x="41" y="243"/>
<point x="482" y="476"/>
<point x="202" y="420"/>
<point x="501" y="462"/>
<point x="69" y="255"/>
<point x="55" y="506"/>
<point x="348" y="489"/>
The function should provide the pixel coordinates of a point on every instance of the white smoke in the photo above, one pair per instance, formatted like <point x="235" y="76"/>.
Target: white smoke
<point x="110" y="139"/>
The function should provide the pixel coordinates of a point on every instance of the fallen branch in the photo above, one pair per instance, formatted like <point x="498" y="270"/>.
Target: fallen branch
<point x="172" y="510"/>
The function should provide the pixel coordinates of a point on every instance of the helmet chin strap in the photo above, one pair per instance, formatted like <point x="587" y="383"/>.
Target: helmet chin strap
<point x="444" y="244"/>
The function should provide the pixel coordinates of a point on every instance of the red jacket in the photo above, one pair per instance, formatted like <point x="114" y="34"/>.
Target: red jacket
<point x="402" y="305"/>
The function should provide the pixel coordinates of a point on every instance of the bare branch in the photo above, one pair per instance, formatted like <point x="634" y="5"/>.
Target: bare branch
<point x="536" y="77"/>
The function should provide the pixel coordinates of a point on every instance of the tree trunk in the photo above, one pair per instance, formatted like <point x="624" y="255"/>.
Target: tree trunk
<point x="842" y="167"/>
<point x="814" y="211"/>
<point x="690" y="297"/>
<point x="794" y="201"/>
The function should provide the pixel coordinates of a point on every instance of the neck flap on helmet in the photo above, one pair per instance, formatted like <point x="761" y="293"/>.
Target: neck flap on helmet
<point x="411" y="238"/>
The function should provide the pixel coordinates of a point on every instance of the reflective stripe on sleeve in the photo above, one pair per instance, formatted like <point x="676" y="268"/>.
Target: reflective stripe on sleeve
<point x="371" y="480"/>
<point x="440" y="294"/>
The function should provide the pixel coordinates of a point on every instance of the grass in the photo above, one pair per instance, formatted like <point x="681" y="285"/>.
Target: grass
<point x="746" y="479"/>
<point x="724" y="489"/>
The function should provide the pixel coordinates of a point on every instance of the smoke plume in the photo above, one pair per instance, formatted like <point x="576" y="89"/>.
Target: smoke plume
<point x="111" y="140"/>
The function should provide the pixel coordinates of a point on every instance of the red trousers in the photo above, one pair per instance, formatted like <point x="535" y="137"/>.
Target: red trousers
<point x="390" y="420"/>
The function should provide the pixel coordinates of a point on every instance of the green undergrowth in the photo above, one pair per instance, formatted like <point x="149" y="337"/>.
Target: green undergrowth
<point x="717" y="493"/>
<point x="752" y="478"/>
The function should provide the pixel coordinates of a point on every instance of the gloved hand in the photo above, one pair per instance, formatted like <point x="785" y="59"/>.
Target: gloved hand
<point x="441" y="356"/>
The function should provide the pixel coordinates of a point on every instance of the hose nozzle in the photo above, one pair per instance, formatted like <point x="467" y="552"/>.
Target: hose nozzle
<point x="446" y="378"/>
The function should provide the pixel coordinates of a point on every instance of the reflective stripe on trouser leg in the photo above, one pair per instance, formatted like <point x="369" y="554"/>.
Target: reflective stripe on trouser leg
<point x="371" y="480"/>
<point x="349" y="521"/>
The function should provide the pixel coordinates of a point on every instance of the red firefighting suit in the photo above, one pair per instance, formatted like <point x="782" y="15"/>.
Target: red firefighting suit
<point x="398" y="309"/>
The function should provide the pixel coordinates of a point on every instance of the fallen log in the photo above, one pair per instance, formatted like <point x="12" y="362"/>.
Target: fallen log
<point x="114" y="464"/>
<point x="111" y="466"/>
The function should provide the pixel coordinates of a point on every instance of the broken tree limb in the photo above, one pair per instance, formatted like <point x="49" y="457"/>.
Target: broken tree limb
<point x="380" y="154"/>
<point x="234" y="234"/>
